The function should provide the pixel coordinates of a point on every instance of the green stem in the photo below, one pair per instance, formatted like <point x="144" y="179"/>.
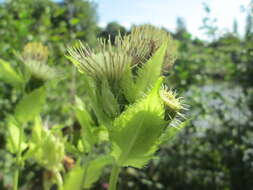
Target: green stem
<point x="18" y="159"/>
<point x="16" y="176"/>
<point x="114" y="177"/>
<point x="85" y="172"/>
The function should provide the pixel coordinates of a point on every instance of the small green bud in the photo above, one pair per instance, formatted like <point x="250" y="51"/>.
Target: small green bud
<point x="35" y="52"/>
<point x="50" y="152"/>
<point x="173" y="104"/>
<point x="34" y="57"/>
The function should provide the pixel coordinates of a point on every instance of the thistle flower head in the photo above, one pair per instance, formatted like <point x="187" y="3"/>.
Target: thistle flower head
<point x="105" y="62"/>
<point x="34" y="57"/>
<point x="144" y="41"/>
<point x="173" y="104"/>
<point x="35" y="52"/>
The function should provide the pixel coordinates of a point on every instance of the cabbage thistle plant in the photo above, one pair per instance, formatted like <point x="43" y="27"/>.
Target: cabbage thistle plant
<point x="126" y="99"/>
<point x="126" y="113"/>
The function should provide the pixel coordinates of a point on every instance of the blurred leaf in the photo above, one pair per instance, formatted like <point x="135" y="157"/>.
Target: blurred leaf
<point x="9" y="75"/>
<point x="95" y="169"/>
<point x="77" y="180"/>
<point x="172" y="131"/>
<point x="128" y="85"/>
<point x="74" y="21"/>
<point x="14" y="136"/>
<point x="85" y="121"/>
<point x="101" y="134"/>
<point x="30" y="105"/>
<point x="109" y="103"/>
<point x="74" y="179"/>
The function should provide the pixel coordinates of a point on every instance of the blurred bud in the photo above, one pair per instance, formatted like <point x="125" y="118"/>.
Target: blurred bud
<point x="50" y="152"/>
<point x="35" y="56"/>
<point x="35" y="52"/>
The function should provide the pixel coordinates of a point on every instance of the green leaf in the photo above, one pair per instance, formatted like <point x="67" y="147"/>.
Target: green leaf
<point x="36" y="138"/>
<point x="95" y="170"/>
<point x="93" y="94"/>
<point x="90" y="87"/>
<point x="102" y="134"/>
<point x="128" y="85"/>
<point x="73" y="149"/>
<point x="9" y="75"/>
<point x="74" y="21"/>
<point x="151" y="71"/>
<point x="13" y="137"/>
<point x="37" y="132"/>
<point x="88" y="139"/>
<point x="109" y="102"/>
<point x="172" y="131"/>
<point x="78" y="178"/>
<point x="91" y="134"/>
<point x="47" y="150"/>
<point x="74" y="180"/>
<point x="30" y="106"/>
<point x="146" y="78"/>
<point x="136" y="132"/>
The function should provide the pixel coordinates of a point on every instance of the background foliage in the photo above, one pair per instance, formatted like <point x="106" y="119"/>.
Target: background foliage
<point x="215" y="151"/>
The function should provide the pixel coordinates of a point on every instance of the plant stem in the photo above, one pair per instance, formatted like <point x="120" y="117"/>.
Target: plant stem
<point x="16" y="176"/>
<point x="114" y="177"/>
<point x="18" y="159"/>
<point x="86" y="166"/>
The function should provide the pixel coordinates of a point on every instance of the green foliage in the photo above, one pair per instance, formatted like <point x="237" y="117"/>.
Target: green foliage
<point x="14" y="137"/>
<point x="219" y="133"/>
<point x="9" y="75"/>
<point x="136" y="131"/>
<point x="95" y="170"/>
<point x="146" y="77"/>
<point x="171" y="132"/>
<point x="74" y="179"/>
<point x="45" y="147"/>
<point x="79" y="178"/>
<point x="141" y="119"/>
<point x="111" y="105"/>
<point x="150" y="72"/>
<point x="50" y="23"/>
<point x="87" y="125"/>
<point x="115" y="113"/>
<point x="30" y="105"/>
<point x="94" y="101"/>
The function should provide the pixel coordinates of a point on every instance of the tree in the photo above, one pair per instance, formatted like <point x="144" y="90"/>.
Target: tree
<point x="209" y="26"/>
<point x="235" y="27"/>
<point x="112" y="30"/>
<point x="249" y="26"/>
<point x="181" y="31"/>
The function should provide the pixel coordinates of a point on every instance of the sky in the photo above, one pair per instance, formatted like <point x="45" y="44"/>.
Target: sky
<point x="164" y="13"/>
